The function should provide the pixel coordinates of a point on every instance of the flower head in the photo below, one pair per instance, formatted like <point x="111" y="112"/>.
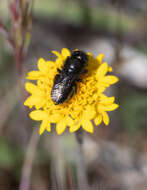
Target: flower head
<point x="87" y="104"/>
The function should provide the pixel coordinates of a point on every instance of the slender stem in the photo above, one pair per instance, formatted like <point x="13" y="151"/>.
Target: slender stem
<point x="81" y="169"/>
<point x="118" y="59"/>
<point x="28" y="162"/>
<point x="56" y="170"/>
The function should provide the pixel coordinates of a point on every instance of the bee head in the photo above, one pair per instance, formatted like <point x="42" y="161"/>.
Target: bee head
<point x="79" y="55"/>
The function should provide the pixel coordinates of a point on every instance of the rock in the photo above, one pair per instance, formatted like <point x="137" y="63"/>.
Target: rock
<point x="134" y="67"/>
<point x="116" y="167"/>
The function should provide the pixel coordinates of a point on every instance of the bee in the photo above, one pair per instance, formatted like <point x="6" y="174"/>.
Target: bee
<point x="64" y="86"/>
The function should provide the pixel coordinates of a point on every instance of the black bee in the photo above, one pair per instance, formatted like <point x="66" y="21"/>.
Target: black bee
<point x="65" y="82"/>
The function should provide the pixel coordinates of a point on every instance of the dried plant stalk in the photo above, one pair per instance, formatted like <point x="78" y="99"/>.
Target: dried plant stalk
<point x="20" y="29"/>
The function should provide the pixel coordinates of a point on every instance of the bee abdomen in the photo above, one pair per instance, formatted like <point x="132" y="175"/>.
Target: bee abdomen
<point x="60" y="92"/>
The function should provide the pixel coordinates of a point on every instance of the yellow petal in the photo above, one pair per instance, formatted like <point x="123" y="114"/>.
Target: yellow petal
<point x="43" y="126"/>
<point x="110" y="69"/>
<point x="101" y="89"/>
<point x="74" y="128"/>
<point x="48" y="127"/>
<point x="87" y="126"/>
<point x="28" y="102"/>
<point x="33" y="75"/>
<point x="42" y="65"/>
<point x="105" y="118"/>
<point x="57" y="54"/>
<point x="98" y="120"/>
<point x="90" y="58"/>
<point x="100" y="58"/>
<point x="32" y="88"/>
<point x="89" y="54"/>
<point x="38" y="115"/>
<point x="107" y="100"/>
<point x="36" y="101"/>
<point x="110" y="107"/>
<point x="102" y="70"/>
<point x="89" y="113"/>
<point x="60" y="127"/>
<point x="70" y="121"/>
<point x="54" y="118"/>
<point x="110" y="79"/>
<point x="65" y="53"/>
<point x="50" y="63"/>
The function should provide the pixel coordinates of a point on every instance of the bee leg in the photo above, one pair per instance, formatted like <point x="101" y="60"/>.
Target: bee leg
<point x="74" y="88"/>
<point x="59" y="70"/>
<point x="85" y="71"/>
<point x="56" y="79"/>
<point x="79" y="80"/>
<point x="73" y="91"/>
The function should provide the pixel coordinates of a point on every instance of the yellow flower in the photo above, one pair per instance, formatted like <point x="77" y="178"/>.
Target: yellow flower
<point x="87" y="104"/>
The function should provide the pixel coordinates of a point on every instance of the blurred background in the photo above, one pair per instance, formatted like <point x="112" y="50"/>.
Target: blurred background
<point x="114" y="157"/>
